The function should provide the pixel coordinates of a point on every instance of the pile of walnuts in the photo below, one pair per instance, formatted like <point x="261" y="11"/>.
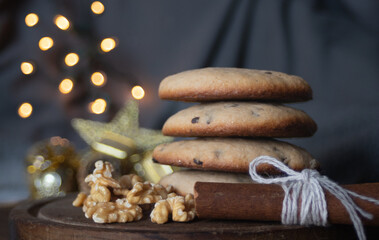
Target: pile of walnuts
<point x="119" y="201"/>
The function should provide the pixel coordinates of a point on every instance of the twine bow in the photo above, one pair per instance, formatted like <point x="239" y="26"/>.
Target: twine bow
<point x="308" y="186"/>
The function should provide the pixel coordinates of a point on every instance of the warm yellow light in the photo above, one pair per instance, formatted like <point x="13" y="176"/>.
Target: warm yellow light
<point x="45" y="43"/>
<point x="138" y="92"/>
<point x="31" y="169"/>
<point x="27" y="68"/>
<point x="25" y="110"/>
<point x="108" y="44"/>
<point x="66" y="86"/>
<point x="97" y="7"/>
<point x="62" y="22"/>
<point x="71" y="59"/>
<point x="98" y="79"/>
<point x="31" y="19"/>
<point x="98" y="106"/>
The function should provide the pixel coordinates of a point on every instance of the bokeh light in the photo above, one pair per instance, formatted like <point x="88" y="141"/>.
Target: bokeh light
<point x="27" y="68"/>
<point x="62" y="22"/>
<point x="31" y="19"/>
<point x="97" y="7"/>
<point x="31" y="169"/>
<point x="98" y="78"/>
<point x="66" y="86"/>
<point x="108" y="44"/>
<point x="138" y="92"/>
<point x="98" y="106"/>
<point x="45" y="43"/>
<point x="25" y="110"/>
<point x="71" y="59"/>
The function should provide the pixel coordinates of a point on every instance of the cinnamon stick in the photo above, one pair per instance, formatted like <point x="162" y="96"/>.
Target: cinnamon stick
<point x="263" y="202"/>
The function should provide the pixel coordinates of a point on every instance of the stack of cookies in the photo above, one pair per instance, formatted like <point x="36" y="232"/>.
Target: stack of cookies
<point x="239" y="115"/>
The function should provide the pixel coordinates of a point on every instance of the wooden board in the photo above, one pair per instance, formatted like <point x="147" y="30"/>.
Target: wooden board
<point x="57" y="219"/>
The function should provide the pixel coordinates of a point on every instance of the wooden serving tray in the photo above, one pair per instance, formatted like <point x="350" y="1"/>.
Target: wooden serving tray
<point x="56" y="218"/>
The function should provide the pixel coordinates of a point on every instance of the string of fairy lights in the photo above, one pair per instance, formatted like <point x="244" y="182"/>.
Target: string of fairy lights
<point x="98" y="78"/>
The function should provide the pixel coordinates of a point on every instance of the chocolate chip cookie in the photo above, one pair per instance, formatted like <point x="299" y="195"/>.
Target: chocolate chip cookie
<point x="232" y="154"/>
<point x="244" y="119"/>
<point x="215" y="84"/>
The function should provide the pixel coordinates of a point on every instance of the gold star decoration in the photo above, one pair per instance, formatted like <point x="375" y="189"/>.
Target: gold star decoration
<point x="124" y="124"/>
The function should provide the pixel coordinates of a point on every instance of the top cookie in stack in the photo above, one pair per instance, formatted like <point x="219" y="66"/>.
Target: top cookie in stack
<point x="235" y="103"/>
<point x="220" y="84"/>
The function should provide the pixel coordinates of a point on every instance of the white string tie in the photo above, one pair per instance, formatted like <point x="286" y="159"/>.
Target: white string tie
<point x="308" y="186"/>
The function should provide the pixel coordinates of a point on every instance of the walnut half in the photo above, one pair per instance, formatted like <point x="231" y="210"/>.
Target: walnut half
<point x="79" y="200"/>
<point x="143" y="193"/>
<point x="181" y="208"/>
<point x="120" y="211"/>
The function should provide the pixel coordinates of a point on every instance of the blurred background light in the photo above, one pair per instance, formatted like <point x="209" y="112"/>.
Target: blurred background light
<point x="71" y="59"/>
<point x="66" y="86"/>
<point x="45" y="43"/>
<point x="97" y="7"/>
<point x="98" y="106"/>
<point x="31" y="19"/>
<point x="98" y="79"/>
<point x="62" y="22"/>
<point x="138" y="92"/>
<point x="25" y="110"/>
<point x="108" y="44"/>
<point x="27" y="68"/>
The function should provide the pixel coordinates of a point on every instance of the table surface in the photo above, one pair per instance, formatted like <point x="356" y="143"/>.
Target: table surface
<point x="56" y="218"/>
<point x="4" y="223"/>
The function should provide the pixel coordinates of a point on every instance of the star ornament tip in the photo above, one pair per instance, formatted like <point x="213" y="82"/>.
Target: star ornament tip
<point x="125" y="124"/>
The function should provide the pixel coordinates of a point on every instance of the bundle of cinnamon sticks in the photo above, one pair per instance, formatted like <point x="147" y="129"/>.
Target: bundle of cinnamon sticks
<point x="263" y="202"/>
